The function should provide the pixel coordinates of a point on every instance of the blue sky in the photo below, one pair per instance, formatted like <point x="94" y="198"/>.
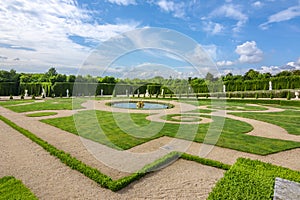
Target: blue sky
<point x="237" y="35"/>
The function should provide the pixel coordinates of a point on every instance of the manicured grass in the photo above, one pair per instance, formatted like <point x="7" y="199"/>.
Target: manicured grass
<point x="251" y="179"/>
<point x="200" y="111"/>
<point x="288" y="119"/>
<point x="12" y="189"/>
<point x="238" y="107"/>
<point x="172" y="117"/>
<point x="49" y="104"/>
<point x="14" y="102"/>
<point x="41" y="114"/>
<point x="102" y="179"/>
<point x="127" y="134"/>
<point x="225" y="104"/>
<point x="285" y="107"/>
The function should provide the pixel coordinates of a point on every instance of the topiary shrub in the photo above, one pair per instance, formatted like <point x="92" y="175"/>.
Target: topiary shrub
<point x="33" y="97"/>
<point x="11" y="97"/>
<point x="22" y="96"/>
<point x="256" y="96"/>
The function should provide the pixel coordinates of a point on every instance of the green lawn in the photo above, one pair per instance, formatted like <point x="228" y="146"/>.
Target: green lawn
<point x="41" y="114"/>
<point x="225" y="104"/>
<point x="288" y="119"/>
<point x="114" y="133"/>
<point x="194" y="117"/>
<point x="48" y="104"/>
<point x="251" y="179"/>
<point x="14" y="102"/>
<point x="237" y="107"/>
<point x="12" y="189"/>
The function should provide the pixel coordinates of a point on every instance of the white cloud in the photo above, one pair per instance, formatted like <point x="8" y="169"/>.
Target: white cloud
<point x="213" y="28"/>
<point x="123" y="2"/>
<point x="233" y="12"/>
<point x="171" y="7"/>
<point x="294" y="65"/>
<point x="257" y="4"/>
<point x="284" y="15"/>
<point x="249" y="52"/>
<point x="224" y="63"/>
<point x="271" y="69"/>
<point x="45" y="27"/>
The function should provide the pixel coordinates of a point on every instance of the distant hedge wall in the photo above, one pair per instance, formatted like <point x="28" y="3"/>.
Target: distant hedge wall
<point x="9" y="88"/>
<point x="59" y="88"/>
<point x="35" y="88"/>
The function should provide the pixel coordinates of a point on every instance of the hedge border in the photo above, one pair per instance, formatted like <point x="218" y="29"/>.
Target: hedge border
<point x="102" y="179"/>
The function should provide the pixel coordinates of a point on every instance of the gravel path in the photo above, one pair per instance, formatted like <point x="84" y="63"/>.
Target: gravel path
<point x="48" y="178"/>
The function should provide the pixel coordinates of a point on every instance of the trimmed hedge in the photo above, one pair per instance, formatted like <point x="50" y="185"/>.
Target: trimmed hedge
<point x="11" y="188"/>
<point x="9" y="88"/>
<point x="35" y="88"/>
<point x="205" y="161"/>
<point x="251" y="179"/>
<point x="102" y="179"/>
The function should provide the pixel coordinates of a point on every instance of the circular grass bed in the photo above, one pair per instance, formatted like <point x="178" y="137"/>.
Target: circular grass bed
<point x="182" y="117"/>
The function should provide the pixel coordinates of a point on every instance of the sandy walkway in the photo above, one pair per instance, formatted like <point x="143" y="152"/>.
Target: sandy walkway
<point x="48" y="178"/>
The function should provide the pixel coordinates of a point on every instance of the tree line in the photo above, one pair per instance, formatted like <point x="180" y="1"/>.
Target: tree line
<point x="13" y="83"/>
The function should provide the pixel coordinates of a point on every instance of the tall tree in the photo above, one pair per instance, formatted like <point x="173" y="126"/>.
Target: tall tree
<point x="51" y="72"/>
<point x="251" y="75"/>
